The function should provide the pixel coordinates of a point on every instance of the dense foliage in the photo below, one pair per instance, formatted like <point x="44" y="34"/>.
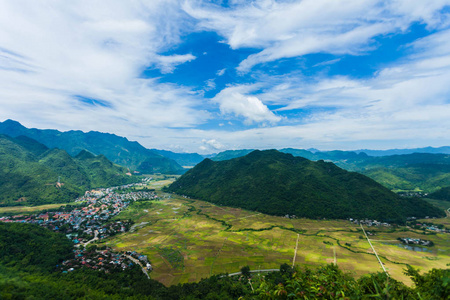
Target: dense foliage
<point x="117" y="149"/>
<point x="276" y="183"/>
<point x="29" y="173"/>
<point x="442" y="194"/>
<point x="29" y="246"/>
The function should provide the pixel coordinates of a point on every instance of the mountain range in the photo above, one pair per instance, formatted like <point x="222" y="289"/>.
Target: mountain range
<point x="31" y="173"/>
<point x="117" y="149"/>
<point x="422" y="169"/>
<point x="278" y="183"/>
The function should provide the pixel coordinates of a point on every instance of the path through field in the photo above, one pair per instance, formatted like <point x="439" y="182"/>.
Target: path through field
<point x="381" y="264"/>
<point x="295" y="252"/>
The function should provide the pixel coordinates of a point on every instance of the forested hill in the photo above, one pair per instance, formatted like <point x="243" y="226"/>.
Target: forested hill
<point x="117" y="149"/>
<point x="423" y="171"/>
<point x="277" y="183"/>
<point x="29" y="172"/>
<point x="442" y="194"/>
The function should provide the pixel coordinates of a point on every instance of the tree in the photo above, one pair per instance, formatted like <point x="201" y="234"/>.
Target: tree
<point x="245" y="271"/>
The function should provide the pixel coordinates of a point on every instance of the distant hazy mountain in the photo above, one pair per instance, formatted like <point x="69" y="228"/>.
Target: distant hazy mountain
<point x="229" y="154"/>
<point x="183" y="159"/>
<point x="29" y="172"/>
<point x="316" y="155"/>
<point x="277" y="183"/>
<point x="442" y="150"/>
<point x="117" y="149"/>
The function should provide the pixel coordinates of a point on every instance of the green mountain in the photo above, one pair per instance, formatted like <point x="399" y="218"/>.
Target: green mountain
<point x="29" y="173"/>
<point x="423" y="171"/>
<point x="277" y="183"/>
<point x="117" y="149"/>
<point x="442" y="194"/>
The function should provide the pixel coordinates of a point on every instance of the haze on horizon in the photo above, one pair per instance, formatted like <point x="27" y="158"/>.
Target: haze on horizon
<point x="206" y="76"/>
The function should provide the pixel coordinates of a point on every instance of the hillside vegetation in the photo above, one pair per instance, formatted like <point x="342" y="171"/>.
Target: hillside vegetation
<point x="29" y="173"/>
<point x="277" y="183"/>
<point x="117" y="149"/>
<point x="423" y="171"/>
<point x="442" y="194"/>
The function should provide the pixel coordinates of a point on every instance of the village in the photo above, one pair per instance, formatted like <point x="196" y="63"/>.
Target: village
<point x="412" y="241"/>
<point x="369" y="222"/>
<point x="89" y="220"/>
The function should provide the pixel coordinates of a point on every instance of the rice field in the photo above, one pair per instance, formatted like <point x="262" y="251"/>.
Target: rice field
<point x="187" y="240"/>
<point x="31" y="209"/>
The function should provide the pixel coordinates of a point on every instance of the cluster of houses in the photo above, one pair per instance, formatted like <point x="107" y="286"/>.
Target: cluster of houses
<point x="81" y="223"/>
<point x="104" y="260"/>
<point x="89" y="220"/>
<point x="432" y="227"/>
<point x="411" y="241"/>
<point x="369" y="223"/>
<point x="412" y="194"/>
<point x="290" y="216"/>
<point x="141" y="258"/>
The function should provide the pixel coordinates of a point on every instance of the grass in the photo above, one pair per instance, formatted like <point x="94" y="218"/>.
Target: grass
<point x="442" y="204"/>
<point x="31" y="209"/>
<point x="187" y="240"/>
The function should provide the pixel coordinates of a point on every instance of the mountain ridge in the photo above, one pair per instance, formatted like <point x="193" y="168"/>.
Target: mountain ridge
<point x="117" y="149"/>
<point x="51" y="176"/>
<point x="278" y="183"/>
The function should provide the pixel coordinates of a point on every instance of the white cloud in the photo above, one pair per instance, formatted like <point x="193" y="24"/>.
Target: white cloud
<point x="406" y="104"/>
<point x="53" y="52"/>
<point x="214" y="144"/>
<point x="221" y="72"/>
<point x="284" y="29"/>
<point x="233" y="101"/>
<point x="168" y="63"/>
<point x="210" y="85"/>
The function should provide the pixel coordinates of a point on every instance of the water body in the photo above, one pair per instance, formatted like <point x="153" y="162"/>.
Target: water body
<point x="411" y="247"/>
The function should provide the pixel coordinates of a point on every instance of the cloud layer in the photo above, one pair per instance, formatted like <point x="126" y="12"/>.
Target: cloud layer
<point x="284" y="29"/>
<point x="111" y="66"/>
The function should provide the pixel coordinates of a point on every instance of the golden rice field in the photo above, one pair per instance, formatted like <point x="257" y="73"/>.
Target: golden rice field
<point x="187" y="240"/>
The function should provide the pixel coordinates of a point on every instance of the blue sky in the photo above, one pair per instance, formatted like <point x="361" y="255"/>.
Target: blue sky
<point x="206" y="76"/>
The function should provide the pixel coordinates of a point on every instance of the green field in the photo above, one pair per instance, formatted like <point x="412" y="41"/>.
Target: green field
<point x="187" y="240"/>
<point x="31" y="209"/>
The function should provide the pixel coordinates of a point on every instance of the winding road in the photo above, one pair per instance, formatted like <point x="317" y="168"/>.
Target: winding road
<point x="136" y="261"/>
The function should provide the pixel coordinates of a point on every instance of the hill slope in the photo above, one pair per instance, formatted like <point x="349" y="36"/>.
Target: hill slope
<point x="29" y="172"/>
<point x="425" y="171"/>
<point x="276" y="183"/>
<point x="442" y="194"/>
<point x="117" y="149"/>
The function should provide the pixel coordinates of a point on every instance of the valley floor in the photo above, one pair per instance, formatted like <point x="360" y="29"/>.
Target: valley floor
<point x="187" y="240"/>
